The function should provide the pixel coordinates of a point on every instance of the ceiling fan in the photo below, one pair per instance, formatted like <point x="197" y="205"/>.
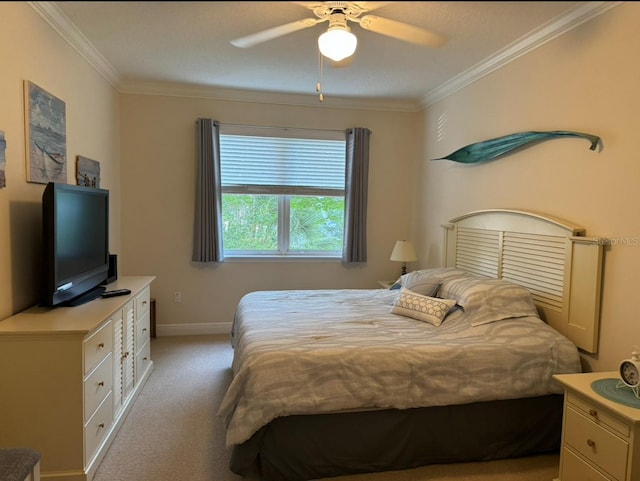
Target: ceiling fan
<point x="338" y="42"/>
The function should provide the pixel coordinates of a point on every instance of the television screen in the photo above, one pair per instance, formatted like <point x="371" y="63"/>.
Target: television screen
<point x="76" y="243"/>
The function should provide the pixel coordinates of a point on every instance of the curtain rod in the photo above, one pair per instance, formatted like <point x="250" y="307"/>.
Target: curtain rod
<point x="269" y="127"/>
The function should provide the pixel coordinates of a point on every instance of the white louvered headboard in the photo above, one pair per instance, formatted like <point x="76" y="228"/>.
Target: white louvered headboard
<point x="553" y="258"/>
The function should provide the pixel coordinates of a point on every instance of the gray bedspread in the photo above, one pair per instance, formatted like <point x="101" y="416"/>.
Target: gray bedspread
<point x="321" y="351"/>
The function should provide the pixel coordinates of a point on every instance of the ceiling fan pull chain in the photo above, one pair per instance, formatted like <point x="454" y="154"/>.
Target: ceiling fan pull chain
<point x="319" y="84"/>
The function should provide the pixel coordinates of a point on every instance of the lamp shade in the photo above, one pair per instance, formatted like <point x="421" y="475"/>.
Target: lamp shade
<point x="403" y="251"/>
<point x="337" y="43"/>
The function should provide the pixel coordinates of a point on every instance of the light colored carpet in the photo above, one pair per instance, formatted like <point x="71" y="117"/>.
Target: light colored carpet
<point x="173" y="434"/>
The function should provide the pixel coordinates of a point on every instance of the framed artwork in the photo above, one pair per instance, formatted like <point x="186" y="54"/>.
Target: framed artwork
<point x="3" y="160"/>
<point x="46" y="136"/>
<point x="87" y="172"/>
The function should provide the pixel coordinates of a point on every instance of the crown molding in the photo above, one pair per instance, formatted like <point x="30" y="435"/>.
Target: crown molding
<point x="520" y="47"/>
<point x="50" y="12"/>
<point x="265" y="97"/>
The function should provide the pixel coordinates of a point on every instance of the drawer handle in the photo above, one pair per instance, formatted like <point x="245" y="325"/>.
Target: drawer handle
<point x="144" y="303"/>
<point x="101" y="345"/>
<point x="591" y="443"/>
<point x="593" y="412"/>
<point x="144" y="358"/>
<point x="101" y="426"/>
<point x="144" y="329"/>
<point x="101" y="384"/>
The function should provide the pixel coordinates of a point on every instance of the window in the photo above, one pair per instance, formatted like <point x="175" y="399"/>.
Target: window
<point x="282" y="192"/>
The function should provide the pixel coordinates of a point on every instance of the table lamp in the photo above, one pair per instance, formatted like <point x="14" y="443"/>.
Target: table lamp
<point x="403" y="252"/>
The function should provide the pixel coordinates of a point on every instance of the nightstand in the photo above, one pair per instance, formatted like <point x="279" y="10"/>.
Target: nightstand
<point x="600" y="438"/>
<point x="386" y="284"/>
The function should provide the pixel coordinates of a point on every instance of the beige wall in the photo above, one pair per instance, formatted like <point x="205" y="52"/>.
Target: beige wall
<point x="31" y="50"/>
<point x="158" y="179"/>
<point x="586" y="80"/>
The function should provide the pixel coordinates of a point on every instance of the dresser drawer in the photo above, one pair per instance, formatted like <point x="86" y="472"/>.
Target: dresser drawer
<point x="143" y="302"/>
<point x="97" y="346"/>
<point x="143" y="359"/>
<point x="596" y="443"/>
<point x="598" y="414"/>
<point x="97" y="386"/>
<point x="575" y="469"/>
<point x="143" y="330"/>
<point x="97" y="428"/>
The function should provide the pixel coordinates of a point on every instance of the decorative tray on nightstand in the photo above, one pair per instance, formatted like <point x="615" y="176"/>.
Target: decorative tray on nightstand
<point x="615" y="390"/>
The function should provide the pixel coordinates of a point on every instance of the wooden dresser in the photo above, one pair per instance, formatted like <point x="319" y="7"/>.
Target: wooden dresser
<point x="600" y="438"/>
<point x="69" y="376"/>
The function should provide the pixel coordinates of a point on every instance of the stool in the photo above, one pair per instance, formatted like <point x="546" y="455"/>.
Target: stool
<point x="19" y="464"/>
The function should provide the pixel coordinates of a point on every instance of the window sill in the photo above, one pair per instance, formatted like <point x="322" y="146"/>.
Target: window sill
<point x="275" y="258"/>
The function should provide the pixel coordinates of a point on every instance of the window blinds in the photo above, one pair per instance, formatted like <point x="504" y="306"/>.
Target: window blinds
<point x="259" y="164"/>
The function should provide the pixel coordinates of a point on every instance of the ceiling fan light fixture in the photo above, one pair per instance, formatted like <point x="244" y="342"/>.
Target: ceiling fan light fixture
<point x="337" y="43"/>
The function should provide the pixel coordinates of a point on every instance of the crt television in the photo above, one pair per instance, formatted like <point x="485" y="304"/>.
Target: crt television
<point x="75" y="222"/>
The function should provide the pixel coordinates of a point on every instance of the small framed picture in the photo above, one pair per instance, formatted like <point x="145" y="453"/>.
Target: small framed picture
<point x="87" y="172"/>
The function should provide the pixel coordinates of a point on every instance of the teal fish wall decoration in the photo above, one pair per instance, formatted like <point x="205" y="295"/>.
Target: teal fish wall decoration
<point x="498" y="147"/>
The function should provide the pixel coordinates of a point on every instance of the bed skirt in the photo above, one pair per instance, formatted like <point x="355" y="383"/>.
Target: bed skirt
<point x="300" y="448"/>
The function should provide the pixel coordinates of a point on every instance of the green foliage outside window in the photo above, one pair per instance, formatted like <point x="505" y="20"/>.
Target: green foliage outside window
<point x="250" y="223"/>
<point x="317" y="223"/>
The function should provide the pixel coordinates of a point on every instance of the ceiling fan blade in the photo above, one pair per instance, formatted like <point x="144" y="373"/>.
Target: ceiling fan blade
<point x="370" y="6"/>
<point x="401" y="31"/>
<point x="309" y="5"/>
<point x="275" y="32"/>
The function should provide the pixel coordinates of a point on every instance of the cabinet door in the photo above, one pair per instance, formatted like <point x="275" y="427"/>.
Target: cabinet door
<point x="118" y="352"/>
<point x="124" y="356"/>
<point x="129" y="357"/>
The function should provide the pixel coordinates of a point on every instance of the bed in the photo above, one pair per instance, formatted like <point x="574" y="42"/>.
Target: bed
<point x="453" y="364"/>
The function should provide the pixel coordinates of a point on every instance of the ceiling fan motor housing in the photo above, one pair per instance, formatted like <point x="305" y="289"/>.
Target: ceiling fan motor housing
<point x="349" y="10"/>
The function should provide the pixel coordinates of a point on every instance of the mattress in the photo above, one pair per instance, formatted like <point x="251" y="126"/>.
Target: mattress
<point x="302" y="352"/>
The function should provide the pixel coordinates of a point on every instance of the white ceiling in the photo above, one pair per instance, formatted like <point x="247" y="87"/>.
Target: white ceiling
<point x="138" y="45"/>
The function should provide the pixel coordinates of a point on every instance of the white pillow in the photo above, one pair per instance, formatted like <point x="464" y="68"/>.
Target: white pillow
<point x="421" y="282"/>
<point x="486" y="300"/>
<point x="427" y="281"/>
<point x="423" y="308"/>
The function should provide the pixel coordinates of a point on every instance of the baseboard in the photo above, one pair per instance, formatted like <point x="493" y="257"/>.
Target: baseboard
<point x="193" y="329"/>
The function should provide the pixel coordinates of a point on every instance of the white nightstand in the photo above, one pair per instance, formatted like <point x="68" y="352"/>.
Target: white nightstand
<point x="600" y="438"/>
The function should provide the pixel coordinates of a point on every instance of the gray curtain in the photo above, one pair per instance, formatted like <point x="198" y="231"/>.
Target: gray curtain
<point x="207" y="234"/>
<point x="356" y="188"/>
